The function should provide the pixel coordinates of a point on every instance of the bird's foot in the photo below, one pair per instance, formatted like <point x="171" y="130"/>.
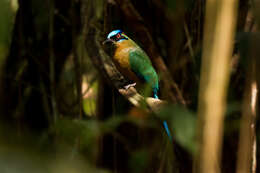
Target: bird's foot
<point x="129" y="85"/>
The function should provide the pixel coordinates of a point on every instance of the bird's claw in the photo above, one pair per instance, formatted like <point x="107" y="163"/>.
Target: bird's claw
<point x="129" y="85"/>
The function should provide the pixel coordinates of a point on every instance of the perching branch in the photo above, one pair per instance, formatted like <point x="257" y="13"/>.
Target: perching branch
<point x="105" y="65"/>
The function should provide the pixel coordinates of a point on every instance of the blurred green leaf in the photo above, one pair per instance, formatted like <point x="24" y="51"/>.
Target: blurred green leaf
<point x="175" y="5"/>
<point x="112" y="123"/>
<point x="171" y="4"/>
<point x="90" y="91"/>
<point x="138" y="161"/>
<point x="232" y="108"/>
<point x="183" y="125"/>
<point x="69" y="130"/>
<point x="232" y="118"/>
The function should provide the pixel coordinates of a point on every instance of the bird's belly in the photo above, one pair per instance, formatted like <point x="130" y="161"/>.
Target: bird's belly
<point x="126" y="72"/>
<point x="122" y="63"/>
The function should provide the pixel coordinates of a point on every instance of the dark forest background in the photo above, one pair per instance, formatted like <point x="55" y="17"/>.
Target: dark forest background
<point x="61" y="107"/>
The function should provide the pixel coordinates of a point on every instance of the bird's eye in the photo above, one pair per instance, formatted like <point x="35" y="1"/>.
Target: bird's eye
<point x="118" y="35"/>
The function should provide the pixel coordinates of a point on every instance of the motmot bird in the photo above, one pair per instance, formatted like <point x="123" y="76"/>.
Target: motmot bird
<point x="134" y="64"/>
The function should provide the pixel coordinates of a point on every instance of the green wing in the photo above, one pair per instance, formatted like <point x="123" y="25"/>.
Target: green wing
<point x="141" y="65"/>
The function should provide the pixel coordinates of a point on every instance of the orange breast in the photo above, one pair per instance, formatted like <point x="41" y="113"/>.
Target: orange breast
<point x="121" y="59"/>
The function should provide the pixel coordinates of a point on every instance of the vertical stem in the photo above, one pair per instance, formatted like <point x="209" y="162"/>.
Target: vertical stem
<point x="247" y="142"/>
<point x="105" y="13"/>
<point x="219" y="30"/>
<point x="253" y="123"/>
<point x="77" y="57"/>
<point x="114" y="138"/>
<point x="52" y="60"/>
<point x="254" y="153"/>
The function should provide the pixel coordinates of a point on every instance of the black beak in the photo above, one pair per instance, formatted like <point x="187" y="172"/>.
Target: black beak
<point x="107" y="40"/>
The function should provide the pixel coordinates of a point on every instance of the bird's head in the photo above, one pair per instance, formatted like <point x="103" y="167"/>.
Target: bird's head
<point x="115" y="36"/>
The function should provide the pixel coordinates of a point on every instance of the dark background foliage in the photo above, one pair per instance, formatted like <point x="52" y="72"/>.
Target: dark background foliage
<point x="60" y="112"/>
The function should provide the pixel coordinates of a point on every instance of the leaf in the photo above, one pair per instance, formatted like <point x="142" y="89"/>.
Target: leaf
<point x="138" y="161"/>
<point x="183" y="125"/>
<point x="111" y="124"/>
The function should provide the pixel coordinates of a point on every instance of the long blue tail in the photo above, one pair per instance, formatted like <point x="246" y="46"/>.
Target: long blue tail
<point x="164" y="122"/>
<point x="167" y="130"/>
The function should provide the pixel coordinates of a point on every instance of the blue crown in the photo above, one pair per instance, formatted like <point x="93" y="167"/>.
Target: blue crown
<point x="113" y="33"/>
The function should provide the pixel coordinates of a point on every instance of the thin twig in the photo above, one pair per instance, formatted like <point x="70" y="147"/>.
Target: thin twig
<point x="189" y="42"/>
<point x="52" y="61"/>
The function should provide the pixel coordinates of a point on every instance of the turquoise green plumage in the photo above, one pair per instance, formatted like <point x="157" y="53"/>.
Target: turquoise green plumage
<point x="134" y="63"/>
<point x="142" y="67"/>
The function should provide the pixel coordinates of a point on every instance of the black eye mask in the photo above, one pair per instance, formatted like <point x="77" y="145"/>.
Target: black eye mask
<point x="116" y="38"/>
